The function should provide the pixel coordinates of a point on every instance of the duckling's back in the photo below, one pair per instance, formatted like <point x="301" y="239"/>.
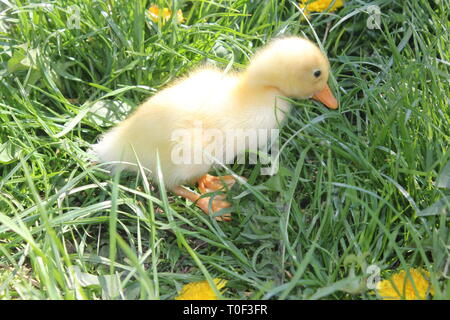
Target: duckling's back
<point x="205" y="88"/>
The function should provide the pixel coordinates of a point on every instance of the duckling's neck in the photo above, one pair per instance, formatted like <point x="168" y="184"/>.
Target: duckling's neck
<point x="247" y="85"/>
<point x="263" y="104"/>
<point x="254" y="93"/>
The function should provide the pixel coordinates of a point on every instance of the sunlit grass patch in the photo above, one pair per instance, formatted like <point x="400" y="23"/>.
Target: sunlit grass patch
<point x="366" y="185"/>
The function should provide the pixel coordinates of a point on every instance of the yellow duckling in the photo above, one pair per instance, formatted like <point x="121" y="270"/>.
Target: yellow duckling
<point x="211" y="100"/>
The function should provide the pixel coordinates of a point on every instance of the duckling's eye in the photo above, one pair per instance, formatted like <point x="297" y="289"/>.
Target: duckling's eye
<point x="317" y="73"/>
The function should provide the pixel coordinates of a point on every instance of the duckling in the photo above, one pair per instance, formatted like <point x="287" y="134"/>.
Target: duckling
<point x="291" y="67"/>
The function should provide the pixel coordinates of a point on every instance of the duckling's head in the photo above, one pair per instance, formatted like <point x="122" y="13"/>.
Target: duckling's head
<point x="296" y="67"/>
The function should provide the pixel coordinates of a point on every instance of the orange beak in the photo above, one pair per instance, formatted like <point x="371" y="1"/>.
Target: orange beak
<point x="326" y="97"/>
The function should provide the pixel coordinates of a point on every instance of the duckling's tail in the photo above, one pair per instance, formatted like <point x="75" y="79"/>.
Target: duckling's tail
<point x="109" y="149"/>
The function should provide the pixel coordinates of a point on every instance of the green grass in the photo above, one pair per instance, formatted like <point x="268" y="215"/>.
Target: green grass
<point x="353" y="187"/>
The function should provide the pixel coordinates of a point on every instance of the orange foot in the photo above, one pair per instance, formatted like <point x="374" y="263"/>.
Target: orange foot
<point x="216" y="206"/>
<point x="207" y="184"/>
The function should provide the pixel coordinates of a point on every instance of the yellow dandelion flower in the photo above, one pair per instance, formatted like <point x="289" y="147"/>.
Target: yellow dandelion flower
<point x="321" y="5"/>
<point x="399" y="286"/>
<point x="154" y="12"/>
<point x="200" y="290"/>
<point x="180" y="17"/>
